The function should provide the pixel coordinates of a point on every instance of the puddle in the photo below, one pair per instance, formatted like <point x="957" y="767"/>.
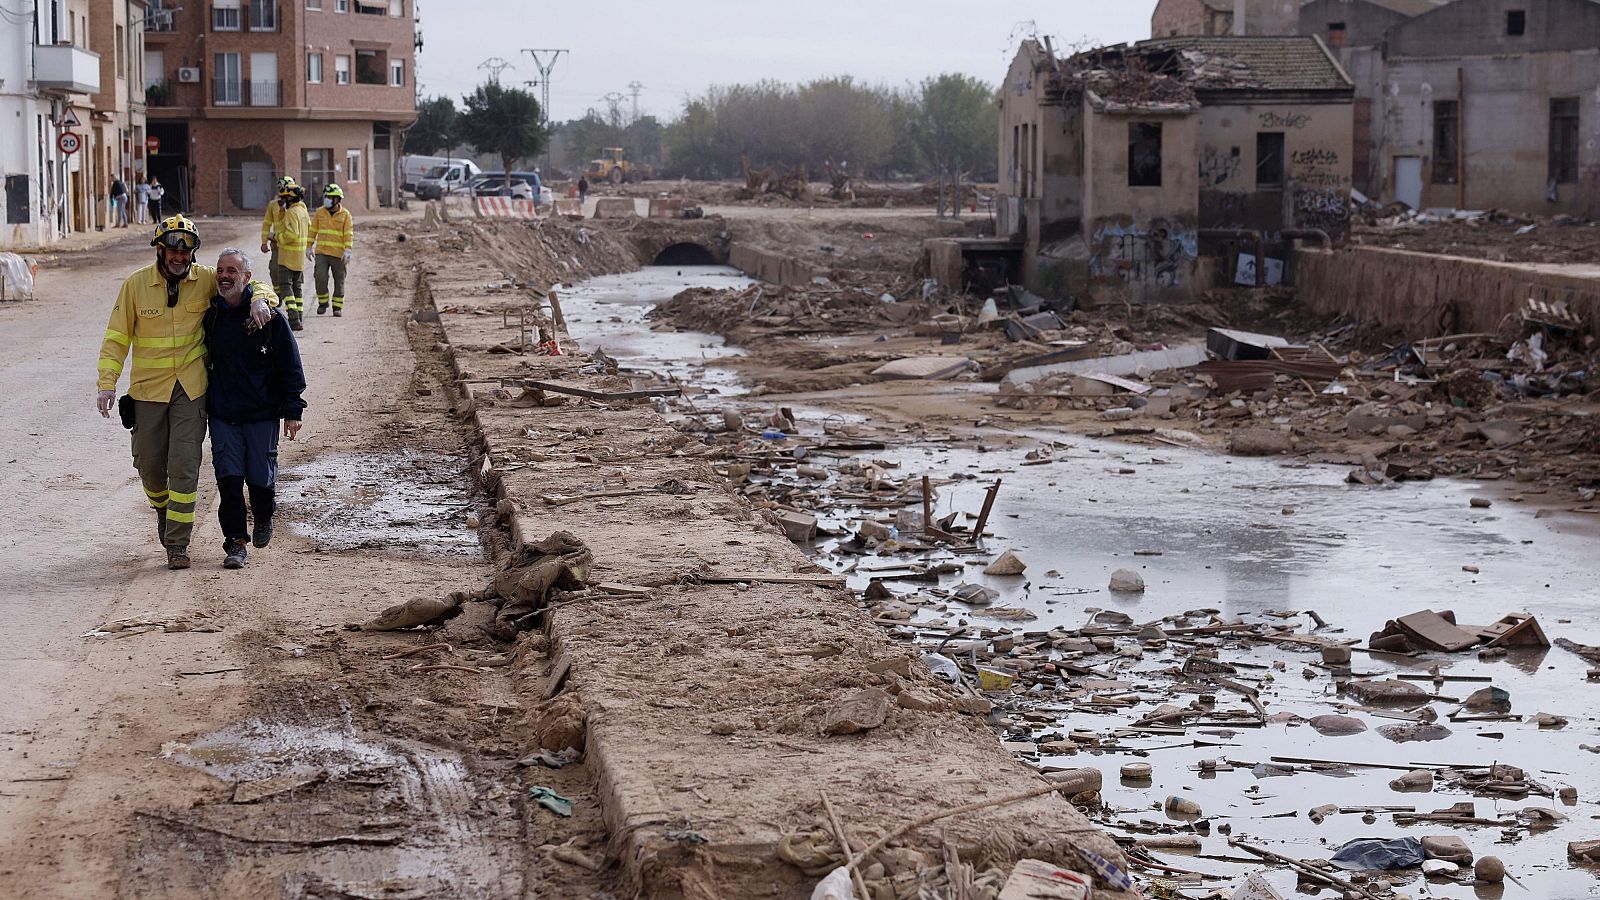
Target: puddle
<point x="405" y="502"/>
<point x="608" y="313"/>
<point x="1245" y="536"/>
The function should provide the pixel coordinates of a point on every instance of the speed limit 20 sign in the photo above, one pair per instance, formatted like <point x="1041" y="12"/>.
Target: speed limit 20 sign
<point x="69" y="142"/>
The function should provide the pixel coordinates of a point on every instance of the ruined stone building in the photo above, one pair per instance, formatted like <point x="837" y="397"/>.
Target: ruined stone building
<point x="1474" y="103"/>
<point x="241" y="92"/>
<point x="1210" y="18"/>
<point x="1121" y="167"/>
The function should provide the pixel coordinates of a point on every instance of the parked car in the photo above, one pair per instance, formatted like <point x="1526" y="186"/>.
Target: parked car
<point x="447" y="178"/>
<point x="414" y="168"/>
<point x="524" y="185"/>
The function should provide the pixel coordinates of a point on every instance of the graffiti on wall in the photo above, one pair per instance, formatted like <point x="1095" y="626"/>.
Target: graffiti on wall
<point x="1324" y="209"/>
<point x="1161" y="254"/>
<point x="1217" y="166"/>
<point x="1317" y="167"/>
<point x="1272" y="120"/>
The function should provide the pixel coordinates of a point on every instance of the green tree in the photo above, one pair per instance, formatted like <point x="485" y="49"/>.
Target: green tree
<point x="435" y="128"/>
<point x="505" y="122"/>
<point x="955" y="128"/>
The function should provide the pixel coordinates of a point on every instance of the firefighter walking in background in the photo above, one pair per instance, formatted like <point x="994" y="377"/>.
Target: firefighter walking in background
<point x="292" y="234"/>
<point x="269" y="228"/>
<point x="159" y="316"/>
<point x="333" y="233"/>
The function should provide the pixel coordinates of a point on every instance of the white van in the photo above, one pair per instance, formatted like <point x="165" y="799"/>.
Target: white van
<point x="446" y="178"/>
<point x="413" y="169"/>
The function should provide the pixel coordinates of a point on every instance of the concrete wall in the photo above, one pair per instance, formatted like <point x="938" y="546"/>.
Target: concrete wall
<point x="1432" y="295"/>
<point x="1182" y="17"/>
<point x="1195" y="17"/>
<point x="773" y="268"/>
<point x="1507" y="115"/>
<point x="1317" y="151"/>
<point x="1364" y="23"/>
<point x="1142" y="242"/>
<point x="1478" y="28"/>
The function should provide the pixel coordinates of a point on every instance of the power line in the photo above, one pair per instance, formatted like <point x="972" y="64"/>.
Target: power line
<point x="495" y="65"/>
<point x="634" y="88"/>
<point x="613" y="102"/>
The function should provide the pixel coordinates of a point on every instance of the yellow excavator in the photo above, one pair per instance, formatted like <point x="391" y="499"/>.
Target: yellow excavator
<point x="612" y="167"/>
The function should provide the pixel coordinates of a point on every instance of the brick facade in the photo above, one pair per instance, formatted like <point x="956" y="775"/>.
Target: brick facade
<point x="254" y="116"/>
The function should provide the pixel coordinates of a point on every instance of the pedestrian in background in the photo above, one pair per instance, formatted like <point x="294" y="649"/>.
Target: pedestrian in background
<point x="255" y="380"/>
<point x="292" y="234"/>
<point x="141" y="193"/>
<point x="583" y="190"/>
<point x="270" y="217"/>
<point x="156" y="193"/>
<point x="119" y="204"/>
<point x="159" y="316"/>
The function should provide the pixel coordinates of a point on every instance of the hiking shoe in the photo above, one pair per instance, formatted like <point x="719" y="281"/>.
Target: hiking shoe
<point x="234" y="554"/>
<point x="263" y="535"/>
<point x="322" y="308"/>
<point x="177" y="557"/>
<point x="338" y="313"/>
<point x="297" y="325"/>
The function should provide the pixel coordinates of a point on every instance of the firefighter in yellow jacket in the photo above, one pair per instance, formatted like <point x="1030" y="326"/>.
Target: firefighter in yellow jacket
<point x="269" y="227"/>
<point x="293" y="234"/>
<point x="158" y="316"/>
<point x="333" y="233"/>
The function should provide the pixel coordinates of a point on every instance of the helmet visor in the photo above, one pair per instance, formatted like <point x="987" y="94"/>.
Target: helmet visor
<point x="178" y="240"/>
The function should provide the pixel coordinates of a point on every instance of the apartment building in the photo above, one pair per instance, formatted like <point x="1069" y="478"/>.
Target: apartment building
<point x="241" y="92"/>
<point x="48" y="76"/>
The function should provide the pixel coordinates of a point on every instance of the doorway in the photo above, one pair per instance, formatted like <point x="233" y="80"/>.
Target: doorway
<point x="1408" y="180"/>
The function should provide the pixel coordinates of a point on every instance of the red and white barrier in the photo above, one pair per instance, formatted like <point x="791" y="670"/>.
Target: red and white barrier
<point x="507" y="207"/>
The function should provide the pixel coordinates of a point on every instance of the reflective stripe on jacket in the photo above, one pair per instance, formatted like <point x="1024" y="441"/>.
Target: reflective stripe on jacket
<point x="333" y="234"/>
<point x="167" y="343"/>
<point x="294" y="234"/>
<point x="270" y="220"/>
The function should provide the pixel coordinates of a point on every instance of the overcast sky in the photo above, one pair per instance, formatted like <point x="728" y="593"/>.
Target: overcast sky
<point x="681" y="47"/>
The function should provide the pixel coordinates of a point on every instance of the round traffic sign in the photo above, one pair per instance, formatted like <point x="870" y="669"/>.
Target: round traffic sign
<point x="153" y="144"/>
<point x="69" y="142"/>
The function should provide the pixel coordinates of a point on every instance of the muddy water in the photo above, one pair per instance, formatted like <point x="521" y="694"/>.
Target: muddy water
<point x="1244" y="536"/>
<point x="608" y="313"/>
<point x="407" y="502"/>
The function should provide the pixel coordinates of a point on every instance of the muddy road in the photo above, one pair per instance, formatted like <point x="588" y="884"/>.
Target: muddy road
<point x="212" y="733"/>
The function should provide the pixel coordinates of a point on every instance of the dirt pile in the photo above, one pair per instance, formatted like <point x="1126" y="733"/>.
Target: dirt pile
<point x="1495" y="236"/>
<point x="539" y="253"/>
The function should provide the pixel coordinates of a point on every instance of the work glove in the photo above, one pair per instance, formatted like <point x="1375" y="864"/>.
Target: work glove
<point x="265" y="247"/>
<point x="104" y="401"/>
<point x="311" y="255"/>
<point x="260" y="312"/>
<point x="347" y="257"/>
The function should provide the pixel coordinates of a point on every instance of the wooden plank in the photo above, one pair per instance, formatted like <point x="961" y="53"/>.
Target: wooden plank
<point x="773" y="578"/>
<point x="587" y="394"/>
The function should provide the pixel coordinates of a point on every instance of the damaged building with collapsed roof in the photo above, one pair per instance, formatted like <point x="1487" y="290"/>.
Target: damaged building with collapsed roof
<point x="1140" y="173"/>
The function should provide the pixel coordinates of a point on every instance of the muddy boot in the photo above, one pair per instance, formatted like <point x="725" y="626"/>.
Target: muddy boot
<point x="295" y="323"/>
<point x="322" y="309"/>
<point x="177" y="557"/>
<point x="234" y="553"/>
<point x="337" y="312"/>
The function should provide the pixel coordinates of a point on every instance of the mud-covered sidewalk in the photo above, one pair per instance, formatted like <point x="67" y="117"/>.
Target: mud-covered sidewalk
<point x="723" y="690"/>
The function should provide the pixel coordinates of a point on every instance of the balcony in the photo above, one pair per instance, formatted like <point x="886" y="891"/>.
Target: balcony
<point x="159" y="19"/>
<point x="246" y="93"/>
<point x="263" y="16"/>
<point x="66" y="69"/>
<point x="158" y="94"/>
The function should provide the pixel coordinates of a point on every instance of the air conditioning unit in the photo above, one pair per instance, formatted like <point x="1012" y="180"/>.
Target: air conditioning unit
<point x="189" y="75"/>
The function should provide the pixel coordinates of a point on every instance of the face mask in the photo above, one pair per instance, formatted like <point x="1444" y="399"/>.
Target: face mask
<point x="328" y="202"/>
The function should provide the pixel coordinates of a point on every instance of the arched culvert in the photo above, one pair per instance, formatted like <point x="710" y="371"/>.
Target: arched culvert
<point x="684" y="253"/>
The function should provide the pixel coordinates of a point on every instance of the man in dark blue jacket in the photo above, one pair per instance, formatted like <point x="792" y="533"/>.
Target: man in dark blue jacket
<point x="256" y="380"/>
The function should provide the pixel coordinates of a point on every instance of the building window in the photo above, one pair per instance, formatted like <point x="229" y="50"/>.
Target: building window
<point x="155" y="68"/>
<point x="1446" y="149"/>
<point x="372" y="67"/>
<point x="1144" y="154"/>
<point x="1336" y="34"/>
<point x="397" y="8"/>
<point x="1563" y="139"/>
<point x="314" y="4"/>
<point x="397" y="72"/>
<point x="316" y="170"/>
<point x="263" y="15"/>
<point x="341" y="6"/>
<point x="371" y="8"/>
<point x="1269" y="159"/>
<point x="352" y="165"/>
<point x="313" y="68"/>
<point x="122" y="59"/>
<point x="225" y="15"/>
<point x="1516" y="22"/>
<point x="341" y="70"/>
<point x="227" y="88"/>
